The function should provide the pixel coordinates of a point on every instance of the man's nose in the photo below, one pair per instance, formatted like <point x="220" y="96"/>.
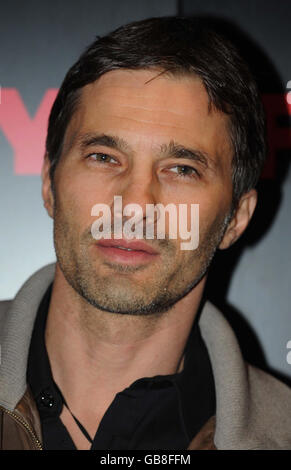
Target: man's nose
<point x="138" y="193"/>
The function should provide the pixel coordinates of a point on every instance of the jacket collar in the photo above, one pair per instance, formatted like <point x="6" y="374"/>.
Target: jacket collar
<point x="15" y="335"/>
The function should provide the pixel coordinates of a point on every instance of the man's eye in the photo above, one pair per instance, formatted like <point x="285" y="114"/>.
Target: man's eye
<point x="184" y="171"/>
<point x="101" y="157"/>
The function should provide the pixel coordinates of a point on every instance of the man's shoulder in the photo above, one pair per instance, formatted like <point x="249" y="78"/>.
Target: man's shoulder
<point x="269" y="402"/>
<point x="269" y="394"/>
<point x="30" y="294"/>
<point x="16" y="324"/>
<point x="253" y="407"/>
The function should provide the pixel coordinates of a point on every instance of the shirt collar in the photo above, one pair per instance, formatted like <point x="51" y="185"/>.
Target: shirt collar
<point x="194" y="384"/>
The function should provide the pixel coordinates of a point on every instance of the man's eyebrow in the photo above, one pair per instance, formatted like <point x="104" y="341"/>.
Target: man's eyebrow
<point x="86" y="140"/>
<point x="173" y="149"/>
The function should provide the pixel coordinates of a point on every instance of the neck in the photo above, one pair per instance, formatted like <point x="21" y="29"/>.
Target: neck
<point x="98" y="354"/>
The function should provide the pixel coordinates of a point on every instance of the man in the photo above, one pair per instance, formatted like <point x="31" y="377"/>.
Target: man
<point x="115" y="347"/>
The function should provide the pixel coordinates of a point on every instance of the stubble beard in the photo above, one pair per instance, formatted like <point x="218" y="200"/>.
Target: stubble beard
<point x="117" y="292"/>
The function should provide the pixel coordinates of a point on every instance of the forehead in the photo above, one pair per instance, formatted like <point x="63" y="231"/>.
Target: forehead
<point x="150" y="108"/>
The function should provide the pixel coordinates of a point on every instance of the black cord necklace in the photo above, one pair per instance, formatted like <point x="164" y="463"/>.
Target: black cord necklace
<point x="80" y="425"/>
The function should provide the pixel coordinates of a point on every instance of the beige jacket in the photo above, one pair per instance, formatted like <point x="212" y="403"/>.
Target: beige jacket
<point x="253" y="409"/>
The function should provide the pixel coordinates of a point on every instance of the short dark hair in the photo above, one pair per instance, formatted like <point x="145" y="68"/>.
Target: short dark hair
<point x="177" y="46"/>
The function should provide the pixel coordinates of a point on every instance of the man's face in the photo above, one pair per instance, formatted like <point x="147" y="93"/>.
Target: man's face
<point x="150" y="121"/>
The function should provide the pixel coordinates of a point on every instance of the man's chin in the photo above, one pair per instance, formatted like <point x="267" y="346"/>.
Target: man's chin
<point x="127" y="306"/>
<point x="124" y="297"/>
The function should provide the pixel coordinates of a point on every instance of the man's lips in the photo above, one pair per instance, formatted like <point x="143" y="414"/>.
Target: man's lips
<point x="126" y="251"/>
<point x="134" y="245"/>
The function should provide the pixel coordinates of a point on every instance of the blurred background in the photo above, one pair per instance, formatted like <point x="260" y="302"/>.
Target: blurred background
<point x="39" y="41"/>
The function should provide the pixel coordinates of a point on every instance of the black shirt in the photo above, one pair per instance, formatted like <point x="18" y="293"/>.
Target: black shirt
<point x="161" y="412"/>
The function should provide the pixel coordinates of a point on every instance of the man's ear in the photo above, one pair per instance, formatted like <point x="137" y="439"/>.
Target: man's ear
<point x="47" y="193"/>
<point x="241" y="218"/>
